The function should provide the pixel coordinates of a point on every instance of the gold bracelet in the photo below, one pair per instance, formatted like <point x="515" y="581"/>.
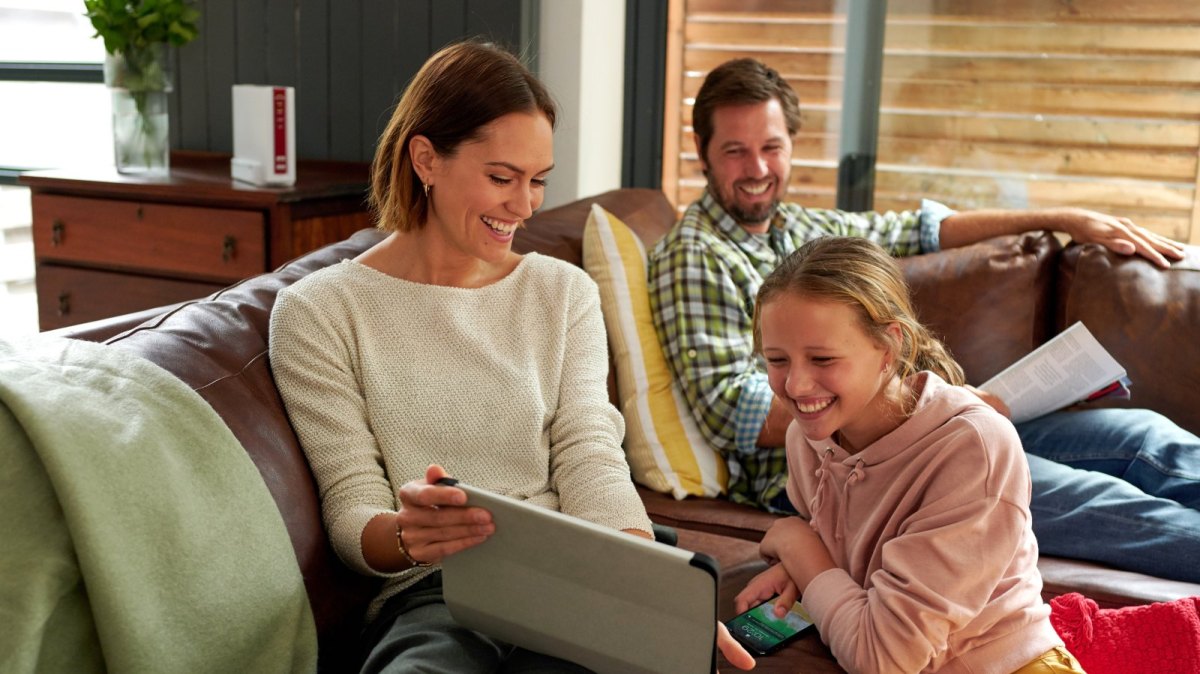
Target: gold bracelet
<point x="404" y="550"/>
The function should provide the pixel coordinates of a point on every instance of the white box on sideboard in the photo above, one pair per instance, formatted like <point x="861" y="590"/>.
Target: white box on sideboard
<point x="264" y="135"/>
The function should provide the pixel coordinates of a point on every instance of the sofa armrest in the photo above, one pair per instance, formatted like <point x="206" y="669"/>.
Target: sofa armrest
<point x="1147" y="318"/>
<point x="105" y="328"/>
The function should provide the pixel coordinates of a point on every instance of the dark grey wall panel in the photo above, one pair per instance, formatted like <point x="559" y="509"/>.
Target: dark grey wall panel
<point x="380" y="46"/>
<point x="191" y="91"/>
<point x="221" y="73"/>
<point x="282" y="26"/>
<point x="345" y="81"/>
<point x="312" y="129"/>
<point x="348" y="59"/>
<point x="499" y="22"/>
<point x="448" y="22"/>
<point x="645" y="79"/>
<point x="250" y="27"/>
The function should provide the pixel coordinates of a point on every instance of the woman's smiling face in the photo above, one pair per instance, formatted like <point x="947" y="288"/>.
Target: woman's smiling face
<point x="485" y="191"/>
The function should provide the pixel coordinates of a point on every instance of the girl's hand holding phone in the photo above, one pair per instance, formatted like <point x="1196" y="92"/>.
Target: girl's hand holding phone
<point x="774" y="581"/>
<point x="433" y="521"/>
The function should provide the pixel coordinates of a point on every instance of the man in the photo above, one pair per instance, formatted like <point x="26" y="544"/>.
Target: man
<point x="705" y="273"/>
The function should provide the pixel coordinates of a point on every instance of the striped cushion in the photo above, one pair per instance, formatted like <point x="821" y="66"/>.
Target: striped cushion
<point x="665" y="449"/>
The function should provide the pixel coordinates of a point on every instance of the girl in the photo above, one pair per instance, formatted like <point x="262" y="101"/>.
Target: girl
<point x="917" y="554"/>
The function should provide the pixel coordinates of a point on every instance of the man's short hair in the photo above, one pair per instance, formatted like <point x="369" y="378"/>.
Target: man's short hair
<point x="741" y="81"/>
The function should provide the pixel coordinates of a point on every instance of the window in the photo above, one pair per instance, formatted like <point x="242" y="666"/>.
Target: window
<point x="46" y="122"/>
<point x="983" y="104"/>
<point x="54" y="112"/>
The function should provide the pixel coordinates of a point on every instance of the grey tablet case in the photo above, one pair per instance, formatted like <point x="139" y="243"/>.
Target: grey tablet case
<point x="604" y="599"/>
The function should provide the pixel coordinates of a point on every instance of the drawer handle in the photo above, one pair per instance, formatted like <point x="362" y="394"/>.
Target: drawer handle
<point x="139" y="212"/>
<point x="56" y="232"/>
<point x="228" y="248"/>
<point x="64" y="303"/>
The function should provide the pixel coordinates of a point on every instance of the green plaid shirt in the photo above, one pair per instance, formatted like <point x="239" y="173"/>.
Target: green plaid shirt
<point x="704" y="275"/>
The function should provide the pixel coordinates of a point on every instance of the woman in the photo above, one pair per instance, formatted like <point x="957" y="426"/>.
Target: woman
<point x="440" y="346"/>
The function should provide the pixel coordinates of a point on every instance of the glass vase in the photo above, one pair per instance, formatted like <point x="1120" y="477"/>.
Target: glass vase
<point x="140" y="82"/>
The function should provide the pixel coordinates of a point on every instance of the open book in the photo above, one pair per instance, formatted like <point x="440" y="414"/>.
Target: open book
<point x="1070" y="368"/>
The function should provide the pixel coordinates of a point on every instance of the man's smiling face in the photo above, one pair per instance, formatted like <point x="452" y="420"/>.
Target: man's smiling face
<point x="748" y="161"/>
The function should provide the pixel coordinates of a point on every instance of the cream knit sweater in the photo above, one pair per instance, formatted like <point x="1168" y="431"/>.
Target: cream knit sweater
<point x="505" y="386"/>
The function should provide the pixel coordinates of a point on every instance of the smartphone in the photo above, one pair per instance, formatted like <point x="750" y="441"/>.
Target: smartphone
<point x="762" y="633"/>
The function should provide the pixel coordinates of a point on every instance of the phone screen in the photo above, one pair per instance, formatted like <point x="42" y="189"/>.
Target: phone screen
<point x="759" y="630"/>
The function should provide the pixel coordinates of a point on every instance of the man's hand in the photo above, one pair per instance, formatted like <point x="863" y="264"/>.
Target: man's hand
<point x="1119" y="235"/>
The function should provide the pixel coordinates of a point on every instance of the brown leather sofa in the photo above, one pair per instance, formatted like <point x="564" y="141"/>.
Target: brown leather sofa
<point x="992" y="302"/>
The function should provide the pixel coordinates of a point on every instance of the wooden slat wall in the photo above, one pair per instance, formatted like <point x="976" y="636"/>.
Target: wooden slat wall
<point x="1018" y="104"/>
<point x="348" y="59"/>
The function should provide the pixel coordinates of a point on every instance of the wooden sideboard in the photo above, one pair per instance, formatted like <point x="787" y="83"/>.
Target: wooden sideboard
<point x="107" y="244"/>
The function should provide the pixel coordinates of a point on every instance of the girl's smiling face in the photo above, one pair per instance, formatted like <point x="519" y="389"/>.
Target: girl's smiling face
<point x="486" y="190"/>
<point x="830" y="374"/>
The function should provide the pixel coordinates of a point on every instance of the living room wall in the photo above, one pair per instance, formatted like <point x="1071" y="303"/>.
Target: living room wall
<point x="347" y="59"/>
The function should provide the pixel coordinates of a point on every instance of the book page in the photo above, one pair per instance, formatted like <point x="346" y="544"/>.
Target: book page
<point x="1063" y="371"/>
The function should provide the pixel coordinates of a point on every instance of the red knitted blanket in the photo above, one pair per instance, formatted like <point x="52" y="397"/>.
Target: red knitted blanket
<point x="1163" y="638"/>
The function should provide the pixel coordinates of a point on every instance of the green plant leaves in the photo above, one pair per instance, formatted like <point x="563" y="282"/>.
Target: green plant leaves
<point x="137" y="24"/>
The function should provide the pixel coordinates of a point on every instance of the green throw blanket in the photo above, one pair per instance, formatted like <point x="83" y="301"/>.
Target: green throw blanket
<point x="135" y="532"/>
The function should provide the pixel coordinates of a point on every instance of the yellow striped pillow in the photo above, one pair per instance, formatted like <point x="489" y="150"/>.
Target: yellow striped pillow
<point x="665" y="449"/>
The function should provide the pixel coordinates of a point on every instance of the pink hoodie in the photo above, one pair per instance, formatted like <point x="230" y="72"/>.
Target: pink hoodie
<point x="929" y="527"/>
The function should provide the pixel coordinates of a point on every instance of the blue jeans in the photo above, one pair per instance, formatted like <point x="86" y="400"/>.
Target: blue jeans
<point x="1119" y="487"/>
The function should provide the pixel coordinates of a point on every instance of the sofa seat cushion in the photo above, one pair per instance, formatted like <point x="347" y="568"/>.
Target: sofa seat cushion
<point x="711" y="515"/>
<point x="1110" y="588"/>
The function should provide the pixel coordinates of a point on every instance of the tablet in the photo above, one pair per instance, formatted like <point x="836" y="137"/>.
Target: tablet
<point x="601" y="598"/>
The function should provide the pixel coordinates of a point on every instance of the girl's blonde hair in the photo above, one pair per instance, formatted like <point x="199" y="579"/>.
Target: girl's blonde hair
<point x="860" y="274"/>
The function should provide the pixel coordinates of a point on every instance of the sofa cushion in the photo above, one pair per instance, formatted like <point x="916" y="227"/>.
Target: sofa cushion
<point x="1139" y="313"/>
<point x="998" y="306"/>
<point x="665" y="448"/>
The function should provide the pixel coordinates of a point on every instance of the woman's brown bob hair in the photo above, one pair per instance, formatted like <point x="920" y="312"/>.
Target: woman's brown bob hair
<point x="458" y="91"/>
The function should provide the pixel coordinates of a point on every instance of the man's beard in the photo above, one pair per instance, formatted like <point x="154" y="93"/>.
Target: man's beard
<point x="753" y="215"/>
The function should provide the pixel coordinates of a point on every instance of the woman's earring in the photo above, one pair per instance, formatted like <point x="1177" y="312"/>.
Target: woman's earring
<point x="426" y="186"/>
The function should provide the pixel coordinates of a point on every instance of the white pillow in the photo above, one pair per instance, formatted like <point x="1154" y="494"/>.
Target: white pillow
<point x="666" y="451"/>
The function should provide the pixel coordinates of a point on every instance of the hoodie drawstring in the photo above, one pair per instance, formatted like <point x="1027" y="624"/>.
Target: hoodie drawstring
<point x="857" y="475"/>
<point x="818" y="498"/>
